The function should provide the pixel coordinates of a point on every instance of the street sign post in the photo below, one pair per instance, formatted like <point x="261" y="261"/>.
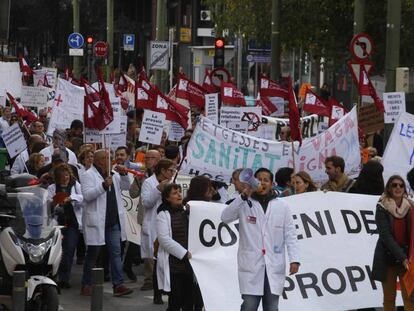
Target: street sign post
<point x="101" y="49"/>
<point x="129" y="42"/>
<point x="159" y="55"/>
<point x="75" y="40"/>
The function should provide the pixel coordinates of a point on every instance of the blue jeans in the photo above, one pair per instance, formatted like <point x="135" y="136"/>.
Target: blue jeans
<point x="270" y="302"/>
<point x="69" y="244"/>
<point x="113" y="243"/>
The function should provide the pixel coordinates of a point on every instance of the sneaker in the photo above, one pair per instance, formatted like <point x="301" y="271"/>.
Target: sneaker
<point x="122" y="290"/>
<point x="130" y="274"/>
<point x="146" y="286"/>
<point x="86" y="290"/>
<point x="64" y="285"/>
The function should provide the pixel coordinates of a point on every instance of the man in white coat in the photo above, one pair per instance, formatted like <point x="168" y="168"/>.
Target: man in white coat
<point x="103" y="219"/>
<point x="266" y="229"/>
<point x="58" y="141"/>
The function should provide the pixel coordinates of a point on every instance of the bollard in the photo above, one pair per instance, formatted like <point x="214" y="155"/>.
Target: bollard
<point x="97" y="289"/>
<point x="19" y="290"/>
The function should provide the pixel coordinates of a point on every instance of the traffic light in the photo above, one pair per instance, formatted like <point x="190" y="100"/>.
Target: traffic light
<point x="89" y="44"/>
<point x="219" y="46"/>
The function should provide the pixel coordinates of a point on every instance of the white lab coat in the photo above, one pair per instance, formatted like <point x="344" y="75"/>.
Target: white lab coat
<point x="151" y="199"/>
<point x="167" y="246"/>
<point x="19" y="165"/>
<point x="4" y="124"/>
<point x="48" y="152"/>
<point x="262" y="243"/>
<point x="76" y="197"/>
<point x="94" y="211"/>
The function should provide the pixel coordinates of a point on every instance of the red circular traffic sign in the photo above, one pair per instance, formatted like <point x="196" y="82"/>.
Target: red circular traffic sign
<point x="101" y="49"/>
<point x="218" y="75"/>
<point x="361" y="46"/>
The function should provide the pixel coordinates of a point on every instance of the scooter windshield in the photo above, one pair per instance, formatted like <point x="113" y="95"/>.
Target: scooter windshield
<point x="32" y="218"/>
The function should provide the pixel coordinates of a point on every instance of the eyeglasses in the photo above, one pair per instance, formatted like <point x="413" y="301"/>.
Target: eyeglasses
<point x="396" y="184"/>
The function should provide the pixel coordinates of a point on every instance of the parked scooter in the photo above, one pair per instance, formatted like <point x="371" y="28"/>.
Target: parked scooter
<point x="30" y="242"/>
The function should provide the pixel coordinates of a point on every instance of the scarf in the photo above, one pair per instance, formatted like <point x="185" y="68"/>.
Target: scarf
<point x="390" y="206"/>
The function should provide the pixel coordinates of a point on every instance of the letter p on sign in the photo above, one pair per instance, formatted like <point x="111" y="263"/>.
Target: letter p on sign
<point x="129" y="42"/>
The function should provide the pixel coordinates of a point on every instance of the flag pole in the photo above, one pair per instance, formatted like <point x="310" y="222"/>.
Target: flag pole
<point x="293" y="156"/>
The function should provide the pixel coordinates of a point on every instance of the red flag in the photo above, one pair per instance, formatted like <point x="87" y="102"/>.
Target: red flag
<point x="106" y="114"/>
<point x="21" y="111"/>
<point x="272" y="88"/>
<point x="294" y="117"/>
<point x="25" y="68"/>
<point x="337" y="111"/>
<point x="122" y="87"/>
<point x="208" y="82"/>
<point x="230" y="95"/>
<point x="194" y="93"/>
<point x="315" y="104"/>
<point x="143" y="98"/>
<point x="91" y="92"/>
<point x="266" y="103"/>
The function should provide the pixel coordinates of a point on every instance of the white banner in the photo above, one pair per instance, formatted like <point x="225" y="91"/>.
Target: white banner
<point x="394" y="105"/>
<point x="51" y="74"/>
<point x="216" y="151"/>
<point x="336" y="249"/>
<point x="14" y="140"/>
<point x="10" y="79"/>
<point x="34" y="96"/>
<point x="211" y="107"/>
<point x="132" y="228"/>
<point x="240" y="118"/>
<point x="67" y="106"/>
<point x="309" y="125"/>
<point x="398" y="156"/>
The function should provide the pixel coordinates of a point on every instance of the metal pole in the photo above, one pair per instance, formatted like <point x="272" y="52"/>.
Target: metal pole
<point x="110" y="36"/>
<point x="97" y="289"/>
<point x="19" y="290"/>
<point x="293" y="65"/>
<point x="359" y="11"/>
<point x="171" y="44"/>
<point x="161" y="34"/>
<point x="256" y="74"/>
<point x="76" y="28"/>
<point x="392" y="52"/>
<point x="300" y="65"/>
<point x="275" y="41"/>
<point x="239" y="60"/>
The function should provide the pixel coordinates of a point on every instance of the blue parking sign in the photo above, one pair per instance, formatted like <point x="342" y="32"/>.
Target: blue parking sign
<point x="129" y="42"/>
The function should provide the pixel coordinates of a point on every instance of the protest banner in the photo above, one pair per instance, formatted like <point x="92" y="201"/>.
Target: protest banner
<point x="116" y="136"/>
<point x="238" y="118"/>
<point x="132" y="228"/>
<point x="152" y="127"/>
<point x="216" y="151"/>
<point x="394" y="105"/>
<point x="175" y="131"/>
<point x="67" y="106"/>
<point x="398" y="156"/>
<point x="14" y="140"/>
<point x="211" y="107"/>
<point x="34" y="96"/>
<point x="309" y="125"/>
<point x="51" y="75"/>
<point x="10" y="79"/>
<point x="336" y="250"/>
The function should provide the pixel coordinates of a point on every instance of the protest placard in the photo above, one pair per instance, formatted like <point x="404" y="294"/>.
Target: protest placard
<point x="309" y="125"/>
<point x="51" y="74"/>
<point x="14" y="140"/>
<point x="10" y="79"/>
<point x="250" y="116"/>
<point x="152" y="127"/>
<point x="394" y="105"/>
<point x="34" y="96"/>
<point x="211" y="107"/>
<point x="342" y="239"/>
<point x="370" y="119"/>
<point x="175" y="132"/>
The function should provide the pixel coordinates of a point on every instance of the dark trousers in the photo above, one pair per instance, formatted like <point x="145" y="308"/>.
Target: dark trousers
<point x="81" y="248"/>
<point x="69" y="242"/>
<point x="181" y="295"/>
<point x="198" y="299"/>
<point x="157" y="292"/>
<point x="132" y="255"/>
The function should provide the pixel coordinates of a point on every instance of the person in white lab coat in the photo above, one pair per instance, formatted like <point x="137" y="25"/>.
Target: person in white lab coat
<point x="103" y="219"/>
<point x="151" y="198"/>
<point x="266" y="229"/>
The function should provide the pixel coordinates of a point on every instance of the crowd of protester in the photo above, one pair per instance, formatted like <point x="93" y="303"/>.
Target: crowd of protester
<point x="84" y="183"/>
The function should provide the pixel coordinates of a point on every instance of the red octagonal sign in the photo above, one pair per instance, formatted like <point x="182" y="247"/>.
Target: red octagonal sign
<point x="100" y="49"/>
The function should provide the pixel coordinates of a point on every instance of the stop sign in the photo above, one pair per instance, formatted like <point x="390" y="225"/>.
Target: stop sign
<point x="101" y="49"/>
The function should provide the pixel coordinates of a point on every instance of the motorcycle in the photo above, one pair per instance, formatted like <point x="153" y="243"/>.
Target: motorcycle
<point x="30" y="241"/>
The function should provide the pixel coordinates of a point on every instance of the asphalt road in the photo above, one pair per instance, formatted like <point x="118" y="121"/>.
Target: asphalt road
<point x="71" y="300"/>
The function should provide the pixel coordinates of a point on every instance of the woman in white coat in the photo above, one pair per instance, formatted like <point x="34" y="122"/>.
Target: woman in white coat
<point x="65" y="200"/>
<point x="151" y="198"/>
<point x="174" y="271"/>
<point x="265" y="228"/>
